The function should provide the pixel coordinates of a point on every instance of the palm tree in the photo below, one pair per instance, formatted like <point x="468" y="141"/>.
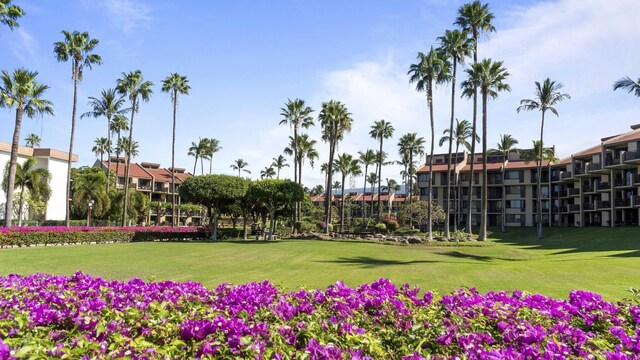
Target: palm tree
<point x="9" y="13"/>
<point x="306" y="150"/>
<point x="317" y="190"/>
<point x="412" y="145"/>
<point x="547" y="96"/>
<point x="431" y="70"/>
<point x="267" y="173"/>
<point x="335" y="120"/>
<point x="129" y="151"/>
<point x="506" y="146"/>
<point x="372" y="179"/>
<point x="279" y="163"/>
<point x="627" y="84"/>
<point x="456" y="45"/>
<point x="539" y="154"/>
<point x="101" y="145"/>
<point x="240" y="165"/>
<point x="461" y="132"/>
<point x="136" y="88"/>
<point x="366" y="158"/>
<point x="118" y="125"/>
<point x="32" y="140"/>
<point x="111" y="106"/>
<point x="78" y="48"/>
<point x="21" y="91"/>
<point x="404" y="161"/>
<point x="197" y="150"/>
<point x="36" y="181"/>
<point x="91" y="186"/>
<point x="391" y="187"/>
<point x="324" y="169"/>
<point x="213" y="146"/>
<point x="380" y="130"/>
<point x="347" y="166"/>
<point x="475" y="18"/>
<point x="488" y="76"/>
<point x="175" y="84"/>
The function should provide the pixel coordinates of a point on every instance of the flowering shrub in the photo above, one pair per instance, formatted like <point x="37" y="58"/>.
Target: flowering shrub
<point x="53" y="235"/>
<point x="45" y="316"/>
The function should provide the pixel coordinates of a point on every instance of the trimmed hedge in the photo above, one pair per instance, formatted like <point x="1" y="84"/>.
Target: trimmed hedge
<point x="31" y="236"/>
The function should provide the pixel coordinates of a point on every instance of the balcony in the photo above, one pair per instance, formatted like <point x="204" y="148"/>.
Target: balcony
<point x="604" y="186"/>
<point x="574" y="207"/>
<point x="563" y="209"/>
<point x="601" y="205"/>
<point x="630" y="155"/>
<point x="578" y="170"/>
<point x="573" y="192"/>
<point x="636" y="178"/>
<point x="144" y="186"/>
<point x="555" y="177"/>
<point x="565" y="175"/>
<point x="636" y="200"/>
<point x="622" y="202"/>
<point x="588" y="206"/>
<point x="593" y="167"/>
<point x="612" y="162"/>
<point x="588" y="189"/>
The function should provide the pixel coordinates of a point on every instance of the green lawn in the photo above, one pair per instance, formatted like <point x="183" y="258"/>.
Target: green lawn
<point x="606" y="261"/>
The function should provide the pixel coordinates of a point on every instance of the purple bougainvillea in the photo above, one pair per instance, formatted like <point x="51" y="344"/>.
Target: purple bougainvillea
<point x="81" y="316"/>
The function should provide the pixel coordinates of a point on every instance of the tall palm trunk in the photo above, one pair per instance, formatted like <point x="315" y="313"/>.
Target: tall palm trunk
<point x="195" y="164"/>
<point x="327" y="203"/>
<point x="20" y="206"/>
<point x="379" y="180"/>
<point x="127" y="165"/>
<point x="410" y="192"/>
<point x="364" y="191"/>
<point x="117" y="162"/>
<point x="456" y="178"/>
<point x="173" y="161"/>
<point x="504" y="193"/>
<point x="433" y="140"/>
<point x="296" y="206"/>
<point x="482" y="234"/>
<point x="201" y="165"/>
<point x="448" y="196"/>
<point x="13" y="160"/>
<point x="473" y="132"/>
<point x="109" y="153"/>
<point x="342" y="206"/>
<point x="73" y="129"/>
<point x="539" y="186"/>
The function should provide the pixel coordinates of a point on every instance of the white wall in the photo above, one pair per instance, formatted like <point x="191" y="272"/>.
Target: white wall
<point x="4" y="160"/>
<point x="56" y="208"/>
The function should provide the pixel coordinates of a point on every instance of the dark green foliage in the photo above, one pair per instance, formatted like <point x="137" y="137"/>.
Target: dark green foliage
<point x="275" y="195"/>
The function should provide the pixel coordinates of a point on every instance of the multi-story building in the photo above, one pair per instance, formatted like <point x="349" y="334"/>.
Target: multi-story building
<point x="598" y="186"/>
<point x="391" y="202"/>
<point x="154" y="181"/>
<point x="55" y="161"/>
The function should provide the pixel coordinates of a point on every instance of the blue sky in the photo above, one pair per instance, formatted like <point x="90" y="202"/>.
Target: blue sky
<point x="245" y="58"/>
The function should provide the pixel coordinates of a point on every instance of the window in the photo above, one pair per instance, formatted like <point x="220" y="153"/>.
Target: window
<point x="515" y="204"/>
<point x="513" y="218"/>
<point x="512" y="175"/>
<point x="423" y="177"/>
<point x="514" y="189"/>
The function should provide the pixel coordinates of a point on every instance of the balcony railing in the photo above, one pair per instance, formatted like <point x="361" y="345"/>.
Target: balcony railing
<point x="622" y="202"/>
<point x="566" y="175"/>
<point x="573" y="192"/>
<point x="636" y="178"/>
<point x="611" y="161"/>
<point x="588" y="206"/>
<point x="594" y="167"/>
<point x="604" y="186"/>
<point x="144" y="187"/>
<point x="574" y="207"/>
<point x="603" y="205"/>
<point x="630" y="155"/>
<point x="587" y="189"/>
<point x="563" y="209"/>
<point x="636" y="200"/>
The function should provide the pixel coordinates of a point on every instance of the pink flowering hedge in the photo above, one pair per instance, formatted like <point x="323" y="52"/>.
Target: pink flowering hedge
<point x="85" y="317"/>
<point x="56" y="235"/>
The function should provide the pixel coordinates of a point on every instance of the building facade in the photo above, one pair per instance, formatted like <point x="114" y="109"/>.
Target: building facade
<point x="55" y="161"/>
<point x="155" y="182"/>
<point x="391" y="202"/>
<point x="598" y="186"/>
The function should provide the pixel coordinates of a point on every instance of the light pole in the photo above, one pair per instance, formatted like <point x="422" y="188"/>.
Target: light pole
<point x="89" y="212"/>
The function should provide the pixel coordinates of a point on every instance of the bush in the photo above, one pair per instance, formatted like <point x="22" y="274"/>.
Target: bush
<point x="305" y="226"/>
<point x="381" y="228"/>
<point x="405" y="231"/>
<point x="392" y="225"/>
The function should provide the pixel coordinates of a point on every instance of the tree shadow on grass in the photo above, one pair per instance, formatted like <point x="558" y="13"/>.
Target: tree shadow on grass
<point x="482" y="258"/>
<point x="369" y="262"/>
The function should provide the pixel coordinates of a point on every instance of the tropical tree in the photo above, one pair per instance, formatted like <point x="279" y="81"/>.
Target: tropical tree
<point x="136" y="88"/>
<point x="129" y="151"/>
<point x="626" y="83"/>
<point x="118" y="124"/>
<point x="198" y="150"/>
<point x="412" y="145"/>
<point x="366" y="158"/>
<point x="372" y="179"/>
<point x="390" y="187"/>
<point x="101" y="145"/>
<point x="240" y="165"/>
<point x="213" y="146"/>
<point x="506" y="146"/>
<point x="215" y="192"/>
<point x="279" y="163"/>
<point x="380" y="130"/>
<point x="347" y="166"/>
<point x="21" y="91"/>
<point x="297" y="114"/>
<point x="490" y="78"/>
<point x="324" y="169"/>
<point x="175" y="84"/>
<point x="89" y="184"/>
<point x="456" y="45"/>
<point x="475" y="18"/>
<point x="317" y="190"/>
<point x="29" y="178"/>
<point x="77" y="47"/>
<point x="335" y="120"/>
<point x="431" y="70"/>
<point x="275" y="195"/>
<point x="267" y="173"/>
<point x="32" y="140"/>
<point x="111" y="106"/>
<point x="547" y="96"/>
<point x="306" y="150"/>
<point x="462" y="133"/>
<point x="10" y="13"/>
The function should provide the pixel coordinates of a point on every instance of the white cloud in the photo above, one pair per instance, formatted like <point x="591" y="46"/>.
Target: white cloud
<point x="128" y="15"/>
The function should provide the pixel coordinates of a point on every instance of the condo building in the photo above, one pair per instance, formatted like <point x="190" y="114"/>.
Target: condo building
<point x="597" y="186"/>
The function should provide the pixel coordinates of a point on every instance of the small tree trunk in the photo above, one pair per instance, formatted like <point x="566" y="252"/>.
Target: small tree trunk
<point x="364" y="191"/>
<point x="244" y="224"/>
<point x="379" y="181"/>
<point x="21" y="205"/>
<point x="342" y="206"/>
<point x="13" y="160"/>
<point x="213" y="224"/>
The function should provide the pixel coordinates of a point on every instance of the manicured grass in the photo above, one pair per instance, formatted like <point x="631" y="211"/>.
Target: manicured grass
<point x="606" y="261"/>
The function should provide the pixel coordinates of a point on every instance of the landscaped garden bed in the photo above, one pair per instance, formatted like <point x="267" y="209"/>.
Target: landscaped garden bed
<point x="45" y="316"/>
<point x="61" y="235"/>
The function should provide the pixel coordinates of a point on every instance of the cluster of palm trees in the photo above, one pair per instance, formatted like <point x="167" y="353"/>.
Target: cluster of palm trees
<point x="204" y="149"/>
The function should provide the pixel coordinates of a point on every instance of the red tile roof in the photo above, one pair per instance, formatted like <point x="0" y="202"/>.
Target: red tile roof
<point x="478" y="166"/>
<point x="588" y="152"/>
<point x="621" y="139"/>
<point x="438" y="167"/>
<point x="524" y="165"/>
